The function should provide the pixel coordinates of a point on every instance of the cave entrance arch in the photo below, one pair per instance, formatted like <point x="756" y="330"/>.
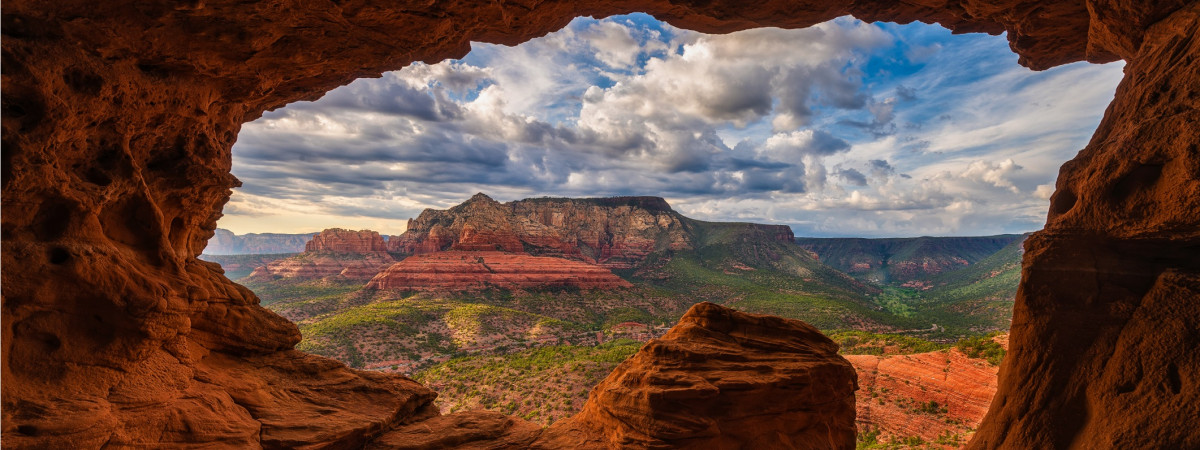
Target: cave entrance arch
<point x="118" y="123"/>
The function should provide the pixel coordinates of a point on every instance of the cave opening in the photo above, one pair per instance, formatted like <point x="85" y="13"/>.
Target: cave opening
<point x="841" y="130"/>
<point x="117" y="129"/>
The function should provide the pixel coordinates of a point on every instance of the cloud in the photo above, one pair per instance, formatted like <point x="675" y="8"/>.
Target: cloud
<point x="841" y="128"/>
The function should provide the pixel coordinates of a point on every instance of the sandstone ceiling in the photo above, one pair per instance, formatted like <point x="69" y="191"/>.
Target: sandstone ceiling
<point x="118" y="118"/>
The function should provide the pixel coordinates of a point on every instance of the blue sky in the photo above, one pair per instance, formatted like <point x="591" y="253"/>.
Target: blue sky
<point x="841" y="129"/>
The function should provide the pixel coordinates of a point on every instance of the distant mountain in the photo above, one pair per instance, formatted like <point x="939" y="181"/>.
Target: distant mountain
<point x="224" y="242"/>
<point x="615" y="232"/>
<point x="981" y="296"/>
<point x="901" y="260"/>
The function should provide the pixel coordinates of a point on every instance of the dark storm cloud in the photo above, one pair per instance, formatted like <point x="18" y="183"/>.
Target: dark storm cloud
<point x="853" y="176"/>
<point x="396" y="98"/>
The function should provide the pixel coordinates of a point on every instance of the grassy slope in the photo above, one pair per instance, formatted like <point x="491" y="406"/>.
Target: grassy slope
<point x="541" y="385"/>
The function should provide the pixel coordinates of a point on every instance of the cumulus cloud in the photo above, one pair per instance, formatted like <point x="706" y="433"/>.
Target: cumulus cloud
<point x="805" y="127"/>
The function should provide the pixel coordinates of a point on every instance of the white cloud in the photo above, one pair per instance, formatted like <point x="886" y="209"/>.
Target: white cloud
<point x="805" y="127"/>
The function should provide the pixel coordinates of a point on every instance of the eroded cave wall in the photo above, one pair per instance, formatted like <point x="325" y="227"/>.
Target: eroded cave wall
<point x="118" y="118"/>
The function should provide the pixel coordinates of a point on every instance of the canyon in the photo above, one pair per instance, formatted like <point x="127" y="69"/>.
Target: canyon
<point x="118" y="122"/>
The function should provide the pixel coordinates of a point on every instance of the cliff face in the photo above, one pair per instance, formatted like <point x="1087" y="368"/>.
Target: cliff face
<point x="614" y="233"/>
<point x="466" y="271"/>
<point x="344" y="254"/>
<point x="118" y="121"/>
<point x="224" y="242"/>
<point x="930" y="395"/>
<point x="338" y="240"/>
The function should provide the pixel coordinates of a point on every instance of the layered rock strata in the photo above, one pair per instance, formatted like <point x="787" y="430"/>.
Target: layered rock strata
<point x="613" y="232"/>
<point x="118" y="119"/>
<point x="467" y="271"/>
<point x="337" y="240"/>
<point x="933" y="395"/>
<point x="333" y="253"/>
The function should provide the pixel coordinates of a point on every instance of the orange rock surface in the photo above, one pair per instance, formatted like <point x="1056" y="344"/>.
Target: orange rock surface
<point x="458" y="271"/>
<point x="119" y="117"/>
<point x="895" y="393"/>
<point x="333" y="253"/>
<point x="721" y="379"/>
<point x="613" y="232"/>
<point x="338" y="240"/>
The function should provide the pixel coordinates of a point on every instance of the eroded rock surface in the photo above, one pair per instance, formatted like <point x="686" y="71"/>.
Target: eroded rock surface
<point x="332" y="254"/>
<point x="468" y="271"/>
<point x="721" y="379"/>
<point x="942" y="394"/>
<point x="118" y="119"/>
<point x="337" y="240"/>
<point x="613" y="232"/>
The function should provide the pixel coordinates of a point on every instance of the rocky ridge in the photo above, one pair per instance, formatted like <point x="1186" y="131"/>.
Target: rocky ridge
<point x="337" y="240"/>
<point x="335" y="252"/>
<point x="475" y="270"/>
<point x="901" y="260"/>
<point x="616" y="233"/>
<point x="225" y="242"/>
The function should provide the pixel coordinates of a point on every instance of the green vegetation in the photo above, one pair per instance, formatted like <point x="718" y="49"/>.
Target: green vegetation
<point x="982" y="347"/>
<point x="296" y="290"/>
<point x="867" y="343"/>
<point x="887" y="256"/>
<point x="541" y="385"/>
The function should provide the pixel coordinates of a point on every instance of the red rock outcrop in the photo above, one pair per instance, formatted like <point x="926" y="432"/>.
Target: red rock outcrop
<point x="614" y="232"/>
<point x="721" y="379"/>
<point x="895" y="394"/>
<point x="468" y="271"/>
<point x="337" y="240"/>
<point x="333" y="253"/>
<point x="118" y="119"/>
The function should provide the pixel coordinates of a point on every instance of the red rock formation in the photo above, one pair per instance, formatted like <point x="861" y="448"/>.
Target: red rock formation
<point x="1102" y="352"/>
<point x="465" y="271"/>
<point x="344" y="254"/>
<point x="338" y="240"/>
<point x="118" y="119"/>
<point x="895" y="393"/>
<point x="613" y="232"/>
<point x="721" y="379"/>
